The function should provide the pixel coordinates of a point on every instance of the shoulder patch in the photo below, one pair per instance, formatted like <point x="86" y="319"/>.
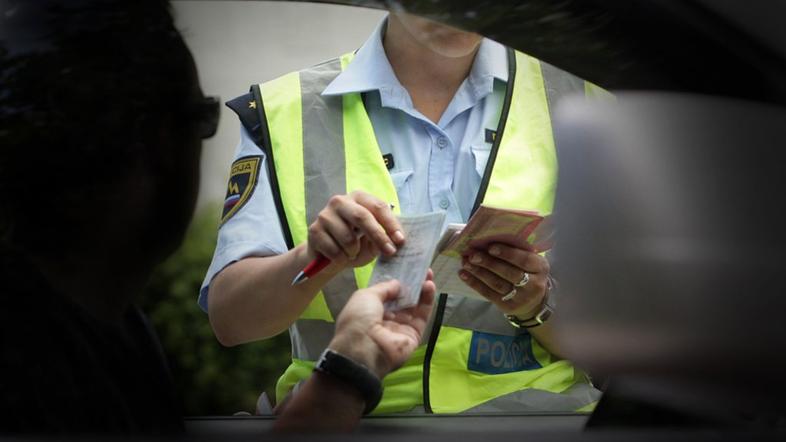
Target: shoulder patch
<point x="243" y="178"/>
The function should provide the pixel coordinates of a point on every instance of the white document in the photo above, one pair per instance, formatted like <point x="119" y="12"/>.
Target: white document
<point x="411" y="262"/>
<point x="446" y="267"/>
<point x="446" y="278"/>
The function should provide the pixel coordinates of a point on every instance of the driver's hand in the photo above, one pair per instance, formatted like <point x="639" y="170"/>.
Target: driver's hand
<point x="382" y="341"/>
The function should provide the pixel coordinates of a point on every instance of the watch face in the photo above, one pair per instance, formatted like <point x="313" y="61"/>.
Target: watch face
<point x="514" y="321"/>
<point x="544" y="315"/>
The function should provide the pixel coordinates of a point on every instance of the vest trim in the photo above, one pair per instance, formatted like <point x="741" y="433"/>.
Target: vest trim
<point x="558" y="84"/>
<point x="503" y="118"/>
<point x="323" y="139"/>
<point x="319" y="333"/>
<point x="432" y="342"/>
<point x="482" y="316"/>
<point x="579" y="396"/>
<point x="267" y="147"/>
<point x="323" y="129"/>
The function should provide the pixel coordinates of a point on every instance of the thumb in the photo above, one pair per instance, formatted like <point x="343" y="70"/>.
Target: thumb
<point x="386" y="291"/>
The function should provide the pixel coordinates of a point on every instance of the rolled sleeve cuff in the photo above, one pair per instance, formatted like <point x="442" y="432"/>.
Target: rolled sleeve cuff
<point x="227" y="255"/>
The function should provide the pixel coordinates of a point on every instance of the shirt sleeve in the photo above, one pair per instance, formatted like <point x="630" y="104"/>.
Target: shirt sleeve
<point x="254" y="230"/>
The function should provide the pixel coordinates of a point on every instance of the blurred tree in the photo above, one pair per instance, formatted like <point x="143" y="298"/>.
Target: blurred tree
<point x="212" y="380"/>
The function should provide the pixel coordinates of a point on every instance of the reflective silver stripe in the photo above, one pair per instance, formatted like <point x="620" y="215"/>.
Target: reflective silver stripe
<point x="323" y="138"/>
<point x="574" y="398"/>
<point x="324" y="160"/>
<point x="310" y="337"/>
<point x="479" y="315"/>
<point x="559" y="84"/>
<point x="338" y="291"/>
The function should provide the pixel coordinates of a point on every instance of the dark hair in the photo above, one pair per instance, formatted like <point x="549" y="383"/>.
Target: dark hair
<point x="84" y="85"/>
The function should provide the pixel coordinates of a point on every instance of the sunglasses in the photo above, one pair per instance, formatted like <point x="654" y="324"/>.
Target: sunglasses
<point x="204" y="115"/>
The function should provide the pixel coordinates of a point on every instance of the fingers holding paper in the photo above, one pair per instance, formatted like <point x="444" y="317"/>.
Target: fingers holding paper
<point x="353" y="229"/>
<point x="512" y="278"/>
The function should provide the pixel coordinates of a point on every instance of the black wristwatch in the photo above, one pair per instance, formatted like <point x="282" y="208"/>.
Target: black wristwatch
<point x="354" y="374"/>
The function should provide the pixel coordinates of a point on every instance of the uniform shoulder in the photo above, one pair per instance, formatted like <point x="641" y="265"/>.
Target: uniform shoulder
<point x="250" y="111"/>
<point x="245" y="107"/>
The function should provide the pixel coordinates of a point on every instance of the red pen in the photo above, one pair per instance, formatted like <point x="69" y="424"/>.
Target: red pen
<point x="315" y="266"/>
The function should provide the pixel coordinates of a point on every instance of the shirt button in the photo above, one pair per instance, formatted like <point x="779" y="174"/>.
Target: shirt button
<point x="444" y="204"/>
<point x="442" y="142"/>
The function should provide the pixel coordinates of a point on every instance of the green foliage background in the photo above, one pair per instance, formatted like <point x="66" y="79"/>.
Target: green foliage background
<point x="211" y="379"/>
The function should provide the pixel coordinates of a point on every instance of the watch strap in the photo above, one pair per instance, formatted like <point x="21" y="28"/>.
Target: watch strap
<point x="543" y="315"/>
<point x="355" y="374"/>
<point x="539" y="319"/>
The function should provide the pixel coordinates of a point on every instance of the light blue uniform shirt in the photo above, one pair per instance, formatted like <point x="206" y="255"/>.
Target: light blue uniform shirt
<point x="437" y="166"/>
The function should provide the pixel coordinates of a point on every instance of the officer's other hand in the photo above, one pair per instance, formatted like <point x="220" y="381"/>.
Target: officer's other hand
<point x="494" y="271"/>
<point x="354" y="229"/>
<point x="382" y="341"/>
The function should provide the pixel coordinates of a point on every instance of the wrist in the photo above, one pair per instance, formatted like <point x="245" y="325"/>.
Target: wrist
<point x="539" y="314"/>
<point x="356" y="376"/>
<point x="530" y="309"/>
<point x="359" y="347"/>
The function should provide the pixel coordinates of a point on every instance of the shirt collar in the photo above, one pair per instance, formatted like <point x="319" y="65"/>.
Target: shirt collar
<point x="370" y="70"/>
<point x="491" y="62"/>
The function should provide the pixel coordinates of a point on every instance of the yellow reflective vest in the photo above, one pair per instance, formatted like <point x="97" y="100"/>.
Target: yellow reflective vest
<point x="472" y="358"/>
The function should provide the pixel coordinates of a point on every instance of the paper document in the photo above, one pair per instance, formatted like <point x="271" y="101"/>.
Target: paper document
<point x="411" y="262"/>
<point x="488" y="225"/>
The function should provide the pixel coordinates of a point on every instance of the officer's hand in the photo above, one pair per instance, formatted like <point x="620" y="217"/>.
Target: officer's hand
<point x="493" y="273"/>
<point x="382" y="341"/>
<point x="353" y="229"/>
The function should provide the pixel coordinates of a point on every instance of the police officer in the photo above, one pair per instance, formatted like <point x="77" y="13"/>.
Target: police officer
<point x="426" y="117"/>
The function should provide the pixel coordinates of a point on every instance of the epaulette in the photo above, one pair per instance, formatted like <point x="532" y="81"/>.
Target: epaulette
<point x="245" y="106"/>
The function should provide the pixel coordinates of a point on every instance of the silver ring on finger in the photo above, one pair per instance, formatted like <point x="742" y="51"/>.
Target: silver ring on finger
<point x="524" y="280"/>
<point x="510" y="295"/>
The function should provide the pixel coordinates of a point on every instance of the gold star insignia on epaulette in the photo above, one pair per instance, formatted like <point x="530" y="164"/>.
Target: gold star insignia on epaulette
<point x="252" y="104"/>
